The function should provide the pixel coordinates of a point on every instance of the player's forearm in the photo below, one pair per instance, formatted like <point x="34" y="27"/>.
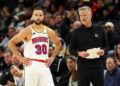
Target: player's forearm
<point x="14" y="49"/>
<point x="56" y="50"/>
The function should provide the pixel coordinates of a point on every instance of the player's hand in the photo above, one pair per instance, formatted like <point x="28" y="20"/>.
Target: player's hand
<point x="49" y="61"/>
<point x="101" y="52"/>
<point x="25" y="61"/>
<point x="83" y="54"/>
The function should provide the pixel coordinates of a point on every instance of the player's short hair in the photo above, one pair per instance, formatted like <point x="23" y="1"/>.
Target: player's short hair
<point x="37" y="8"/>
<point x="85" y="8"/>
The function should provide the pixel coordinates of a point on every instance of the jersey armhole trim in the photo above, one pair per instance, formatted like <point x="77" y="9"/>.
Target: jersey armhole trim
<point x="36" y="30"/>
<point x="48" y="32"/>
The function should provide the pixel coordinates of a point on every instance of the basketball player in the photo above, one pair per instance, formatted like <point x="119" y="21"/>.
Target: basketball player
<point x="36" y="43"/>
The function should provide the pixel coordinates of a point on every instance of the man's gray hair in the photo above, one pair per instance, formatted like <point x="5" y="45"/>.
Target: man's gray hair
<point x="85" y="8"/>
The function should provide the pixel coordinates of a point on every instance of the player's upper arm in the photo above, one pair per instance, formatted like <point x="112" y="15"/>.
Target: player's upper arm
<point x="53" y="37"/>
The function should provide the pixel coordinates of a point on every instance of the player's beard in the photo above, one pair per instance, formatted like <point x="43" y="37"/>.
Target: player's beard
<point x="38" y="23"/>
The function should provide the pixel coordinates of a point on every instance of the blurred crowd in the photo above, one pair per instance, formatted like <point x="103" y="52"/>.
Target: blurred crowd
<point x="61" y="16"/>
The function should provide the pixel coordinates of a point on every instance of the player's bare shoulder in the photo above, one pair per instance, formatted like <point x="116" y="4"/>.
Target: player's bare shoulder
<point x="50" y="32"/>
<point x="27" y="30"/>
<point x="27" y="33"/>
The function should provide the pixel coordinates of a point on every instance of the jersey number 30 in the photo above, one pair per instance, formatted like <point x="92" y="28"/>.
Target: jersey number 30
<point x="41" y="49"/>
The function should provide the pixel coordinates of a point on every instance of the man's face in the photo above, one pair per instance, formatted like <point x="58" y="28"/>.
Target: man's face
<point x="85" y="16"/>
<point x="110" y="65"/>
<point x="38" y="16"/>
<point x="100" y="3"/>
<point x="11" y="32"/>
<point x="8" y="58"/>
<point x="58" y="19"/>
<point x="108" y="29"/>
<point x="15" y="61"/>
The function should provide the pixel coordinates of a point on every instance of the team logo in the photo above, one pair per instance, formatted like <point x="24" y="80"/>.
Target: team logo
<point x="33" y="33"/>
<point x="1" y="64"/>
<point x="96" y="35"/>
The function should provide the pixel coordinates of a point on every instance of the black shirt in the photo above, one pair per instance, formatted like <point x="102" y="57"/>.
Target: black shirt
<point x="3" y="65"/>
<point x="5" y="75"/>
<point x="86" y="38"/>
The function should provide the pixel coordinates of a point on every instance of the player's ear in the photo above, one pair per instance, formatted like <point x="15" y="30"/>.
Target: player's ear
<point x="43" y="17"/>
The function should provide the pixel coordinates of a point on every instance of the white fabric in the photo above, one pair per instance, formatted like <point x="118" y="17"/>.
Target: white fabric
<point x="30" y="48"/>
<point x="38" y="74"/>
<point x="19" y="81"/>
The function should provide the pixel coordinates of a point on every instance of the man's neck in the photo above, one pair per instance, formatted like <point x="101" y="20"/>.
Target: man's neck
<point x="88" y="25"/>
<point x="37" y="26"/>
<point x="112" y="70"/>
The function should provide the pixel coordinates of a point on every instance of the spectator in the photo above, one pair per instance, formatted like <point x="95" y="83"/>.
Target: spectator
<point x="111" y="34"/>
<point x="20" y="7"/>
<point x="105" y="14"/>
<point x="61" y="26"/>
<point x="58" y="66"/>
<point x="18" y="76"/>
<point x="72" y="67"/>
<point x="117" y="54"/>
<point x="113" y="11"/>
<point x="16" y="62"/>
<point x="2" y="20"/>
<point x="5" y="18"/>
<point x="76" y="25"/>
<point x="2" y="61"/>
<point x="98" y="13"/>
<point x="62" y="11"/>
<point x="8" y="58"/>
<point x="63" y="50"/>
<point x="72" y="17"/>
<point x="52" y="8"/>
<point x="5" y="74"/>
<point x="11" y="33"/>
<point x="47" y="3"/>
<point x="112" y="37"/>
<point x="69" y="78"/>
<point x="52" y="23"/>
<point x="112" y="76"/>
<point x="28" y="13"/>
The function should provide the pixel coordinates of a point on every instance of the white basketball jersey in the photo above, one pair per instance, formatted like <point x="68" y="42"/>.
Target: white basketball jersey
<point x="37" y="47"/>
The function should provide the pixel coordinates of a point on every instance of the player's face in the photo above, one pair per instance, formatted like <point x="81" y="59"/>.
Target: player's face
<point x="38" y="16"/>
<point x="85" y="17"/>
